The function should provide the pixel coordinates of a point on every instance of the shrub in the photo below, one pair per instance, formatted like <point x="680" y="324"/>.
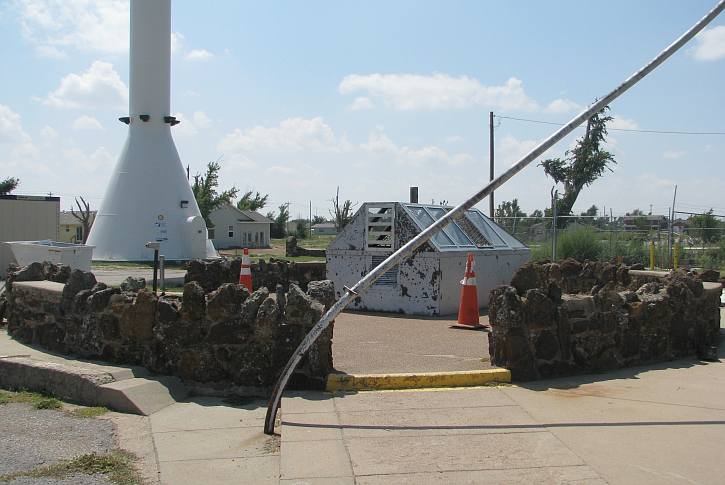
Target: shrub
<point x="580" y="244"/>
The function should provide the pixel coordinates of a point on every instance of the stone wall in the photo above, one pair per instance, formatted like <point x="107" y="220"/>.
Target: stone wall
<point x="292" y="249"/>
<point x="212" y="274"/>
<point x="225" y="336"/>
<point x="568" y="318"/>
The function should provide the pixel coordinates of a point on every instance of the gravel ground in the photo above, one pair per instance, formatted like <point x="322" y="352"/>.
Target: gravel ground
<point x="33" y="438"/>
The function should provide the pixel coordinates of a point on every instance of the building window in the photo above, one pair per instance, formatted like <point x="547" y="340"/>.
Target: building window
<point x="261" y="239"/>
<point x="379" y="234"/>
<point x="231" y="231"/>
<point x="211" y="233"/>
<point x="79" y="233"/>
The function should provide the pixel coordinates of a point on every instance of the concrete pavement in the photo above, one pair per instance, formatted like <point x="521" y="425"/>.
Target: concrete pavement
<point x="375" y="343"/>
<point x="663" y="423"/>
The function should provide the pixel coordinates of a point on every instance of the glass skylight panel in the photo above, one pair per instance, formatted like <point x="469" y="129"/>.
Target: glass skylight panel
<point x="424" y="220"/>
<point x="482" y="225"/>
<point x="451" y="229"/>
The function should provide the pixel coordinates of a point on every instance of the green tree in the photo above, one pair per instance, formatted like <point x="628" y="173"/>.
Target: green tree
<point x="252" y="202"/>
<point x="301" y="231"/>
<point x="279" y="226"/>
<point x="318" y="220"/>
<point x="582" y="165"/>
<point x="8" y="185"/>
<point x="205" y="191"/>
<point x="506" y="214"/>
<point x="341" y="213"/>
<point x="704" y="227"/>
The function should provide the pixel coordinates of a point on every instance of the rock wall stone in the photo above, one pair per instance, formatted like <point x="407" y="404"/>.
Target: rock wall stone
<point x="225" y="337"/>
<point x="212" y="274"/>
<point x="567" y="318"/>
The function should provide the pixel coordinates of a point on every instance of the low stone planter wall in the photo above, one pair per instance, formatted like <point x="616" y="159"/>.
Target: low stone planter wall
<point x="224" y="337"/>
<point x="212" y="274"/>
<point x="567" y="318"/>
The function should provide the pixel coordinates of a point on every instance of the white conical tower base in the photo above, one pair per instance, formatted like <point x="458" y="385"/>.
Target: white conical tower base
<point x="149" y="199"/>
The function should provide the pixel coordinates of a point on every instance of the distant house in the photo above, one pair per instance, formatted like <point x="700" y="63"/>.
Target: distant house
<point x="679" y="226"/>
<point x="324" y="228"/>
<point x="650" y="222"/>
<point x="235" y="228"/>
<point x="70" y="229"/>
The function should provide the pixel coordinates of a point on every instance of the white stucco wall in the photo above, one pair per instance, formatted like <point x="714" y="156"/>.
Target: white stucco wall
<point x="244" y="234"/>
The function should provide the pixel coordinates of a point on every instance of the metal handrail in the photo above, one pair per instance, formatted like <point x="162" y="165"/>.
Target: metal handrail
<point x="458" y="211"/>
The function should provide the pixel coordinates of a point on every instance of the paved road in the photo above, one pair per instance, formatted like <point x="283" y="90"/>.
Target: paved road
<point x="115" y="276"/>
<point x="386" y="343"/>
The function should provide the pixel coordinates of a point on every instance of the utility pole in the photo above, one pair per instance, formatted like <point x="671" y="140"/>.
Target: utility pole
<point x="672" y="217"/>
<point x="490" y="159"/>
<point x="554" y="197"/>
<point x="310" y="220"/>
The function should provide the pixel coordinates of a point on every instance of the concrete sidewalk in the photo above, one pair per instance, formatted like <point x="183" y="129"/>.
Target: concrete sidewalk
<point x="375" y="343"/>
<point x="663" y="423"/>
<point x="657" y="424"/>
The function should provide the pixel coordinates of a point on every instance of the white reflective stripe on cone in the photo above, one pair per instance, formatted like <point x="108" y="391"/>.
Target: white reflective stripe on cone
<point x="468" y="281"/>
<point x="245" y="272"/>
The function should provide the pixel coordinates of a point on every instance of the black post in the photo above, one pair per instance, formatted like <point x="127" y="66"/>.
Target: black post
<point x="413" y="195"/>
<point x="156" y="267"/>
<point x="490" y="159"/>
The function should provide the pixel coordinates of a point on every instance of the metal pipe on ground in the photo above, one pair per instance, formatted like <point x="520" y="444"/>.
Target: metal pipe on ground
<point x="458" y="212"/>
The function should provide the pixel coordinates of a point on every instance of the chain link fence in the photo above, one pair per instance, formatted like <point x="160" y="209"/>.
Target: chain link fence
<point x="620" y="238"/>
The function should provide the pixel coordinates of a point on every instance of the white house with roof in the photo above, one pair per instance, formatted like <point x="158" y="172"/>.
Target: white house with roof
<point x="70" y="228"/>
<point x="324" y="229"/>
<point x="235" y="228"/>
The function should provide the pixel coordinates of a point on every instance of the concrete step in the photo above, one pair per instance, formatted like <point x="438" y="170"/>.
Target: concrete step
<point x="128" y="389"/>
<point x="141" y="395"/>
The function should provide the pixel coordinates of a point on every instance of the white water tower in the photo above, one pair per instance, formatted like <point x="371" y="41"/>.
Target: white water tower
<point x="148" y="197"/>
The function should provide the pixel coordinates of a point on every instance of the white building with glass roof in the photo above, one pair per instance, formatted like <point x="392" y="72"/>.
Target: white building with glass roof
<point x="429" y="282"/>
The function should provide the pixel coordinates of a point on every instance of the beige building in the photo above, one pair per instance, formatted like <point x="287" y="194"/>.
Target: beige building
<point x="70" y="229"/>
<point x="234" y="228"/>
<point x="26" y="218"/>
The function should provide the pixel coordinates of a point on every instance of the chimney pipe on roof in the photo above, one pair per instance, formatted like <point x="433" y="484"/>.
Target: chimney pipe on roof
<point x="414" y="195"/>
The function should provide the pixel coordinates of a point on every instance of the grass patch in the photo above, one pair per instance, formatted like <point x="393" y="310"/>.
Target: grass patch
<point x="91" y="412"/>
<point x="116" y="466"/>
<point x="35" y="399"/>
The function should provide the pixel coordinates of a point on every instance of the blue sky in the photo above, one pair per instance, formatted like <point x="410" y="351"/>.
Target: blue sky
<point x="300" y="97"/>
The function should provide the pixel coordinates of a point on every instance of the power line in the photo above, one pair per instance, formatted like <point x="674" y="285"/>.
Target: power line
<point x="659" y="132"/>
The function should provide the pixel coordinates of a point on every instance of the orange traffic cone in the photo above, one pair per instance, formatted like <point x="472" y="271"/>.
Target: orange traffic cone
<point x="245" y="271"/>
<point x="468" y="309"/>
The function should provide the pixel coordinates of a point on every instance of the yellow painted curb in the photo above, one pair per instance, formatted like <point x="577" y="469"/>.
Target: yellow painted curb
<point x="421" y="380"/>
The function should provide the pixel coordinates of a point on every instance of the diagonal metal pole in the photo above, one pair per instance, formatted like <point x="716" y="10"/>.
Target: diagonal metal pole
<point x="458" y="211"/>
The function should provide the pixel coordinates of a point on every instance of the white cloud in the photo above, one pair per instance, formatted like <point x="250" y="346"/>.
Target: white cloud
<point x="673" y="154"/>
<point x="191" y="126"/>
<point x="87" y="123"/>
<point x="49" y="133"/>
<point x="18" y="148"/>
<point x="438" y="91"/>
<point x="201" y="119"/>
<point x="291" y="135"/>
<point x="619" y="123"/>
<point x="511" y="149"/>
<point x="98" y="87"/>
<point x="100" y="158"/>
<point x="361" y="103"/>
<point x="559" y="106"/>
<point x="199" y="55"/>
<point x="54" y="25"/>
<point x="177" y="43"/>
<point x="11" y="127"/>
<point x="710" y="44"/>
<point x="380" y="143"/>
